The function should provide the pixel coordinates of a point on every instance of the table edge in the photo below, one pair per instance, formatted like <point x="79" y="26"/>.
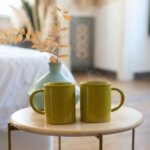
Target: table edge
<point x="77" y="133"/>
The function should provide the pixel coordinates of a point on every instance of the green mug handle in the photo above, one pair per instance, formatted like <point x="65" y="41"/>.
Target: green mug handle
<point x="32" y="103"/>
<point x="121" y="100"/>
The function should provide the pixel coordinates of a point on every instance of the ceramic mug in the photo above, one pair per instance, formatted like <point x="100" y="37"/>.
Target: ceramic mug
<point x="95" y="101"/>
<point x="59" y="103"/>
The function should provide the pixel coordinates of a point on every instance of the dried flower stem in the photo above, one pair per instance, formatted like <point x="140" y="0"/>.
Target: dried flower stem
<point x="52" y="44"/>
<point x="59" y="37"/>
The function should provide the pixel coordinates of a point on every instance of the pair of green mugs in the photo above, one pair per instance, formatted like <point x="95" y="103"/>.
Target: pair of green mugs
<point x="95" y="102"/>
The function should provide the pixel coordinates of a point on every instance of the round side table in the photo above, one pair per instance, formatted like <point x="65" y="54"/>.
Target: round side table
<point x="122" y="120"/>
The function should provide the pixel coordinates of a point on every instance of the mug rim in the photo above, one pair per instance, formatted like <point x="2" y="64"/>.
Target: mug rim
<point x="55" y="84"/>
<point x="96" y="82"/>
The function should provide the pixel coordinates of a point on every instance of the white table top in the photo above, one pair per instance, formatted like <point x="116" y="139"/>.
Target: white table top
<point x="122" y="120"/>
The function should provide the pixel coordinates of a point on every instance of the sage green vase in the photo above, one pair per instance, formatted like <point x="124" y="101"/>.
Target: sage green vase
<point x="55" y="74"/>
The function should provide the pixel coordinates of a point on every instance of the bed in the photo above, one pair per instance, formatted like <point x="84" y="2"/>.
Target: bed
<point x="19" y="68"/>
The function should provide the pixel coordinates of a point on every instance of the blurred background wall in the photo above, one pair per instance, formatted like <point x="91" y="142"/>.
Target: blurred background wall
<point x="120" y="43"/>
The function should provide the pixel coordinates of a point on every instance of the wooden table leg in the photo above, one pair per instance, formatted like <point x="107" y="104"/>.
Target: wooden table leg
<point x="10" y="128"/>
<point x="59" y="143"/>
<point x="100" y="142"/>
<point x="9" y="136"/>
<point x="133" y="139"/>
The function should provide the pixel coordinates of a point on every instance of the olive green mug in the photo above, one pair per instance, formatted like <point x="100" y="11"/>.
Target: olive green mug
<point x="95" y="101"/>
<point x="59" y="103"/>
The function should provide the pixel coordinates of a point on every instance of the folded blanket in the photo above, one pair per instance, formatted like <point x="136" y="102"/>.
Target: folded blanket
<point x="19" y="69"/>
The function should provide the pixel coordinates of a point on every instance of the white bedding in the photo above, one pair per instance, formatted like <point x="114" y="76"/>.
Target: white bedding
<point x="19" y="68"/>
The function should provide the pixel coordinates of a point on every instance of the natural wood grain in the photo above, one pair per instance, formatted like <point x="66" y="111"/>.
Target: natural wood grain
<point x="122" y="120"/>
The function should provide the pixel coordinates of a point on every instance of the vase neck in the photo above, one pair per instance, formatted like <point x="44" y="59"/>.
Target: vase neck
<point x="54" y="67"/>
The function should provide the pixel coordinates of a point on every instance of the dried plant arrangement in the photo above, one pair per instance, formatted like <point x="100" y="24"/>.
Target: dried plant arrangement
<point x="36" y="14"/>
<point x="53" y="43"/>
<point x="14" y="36"/>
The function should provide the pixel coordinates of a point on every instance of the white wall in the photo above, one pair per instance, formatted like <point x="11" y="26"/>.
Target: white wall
<point x="108" y="35"/>
<point x="5" y="23"/>
<point x="141" y="39"/>
<point x="122" y="41"/>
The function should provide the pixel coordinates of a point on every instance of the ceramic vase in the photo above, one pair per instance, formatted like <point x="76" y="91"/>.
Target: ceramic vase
<point x="55" y="74"/>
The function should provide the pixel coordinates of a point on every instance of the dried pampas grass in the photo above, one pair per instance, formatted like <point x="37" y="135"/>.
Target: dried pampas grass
<point x="19" y="17"/>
